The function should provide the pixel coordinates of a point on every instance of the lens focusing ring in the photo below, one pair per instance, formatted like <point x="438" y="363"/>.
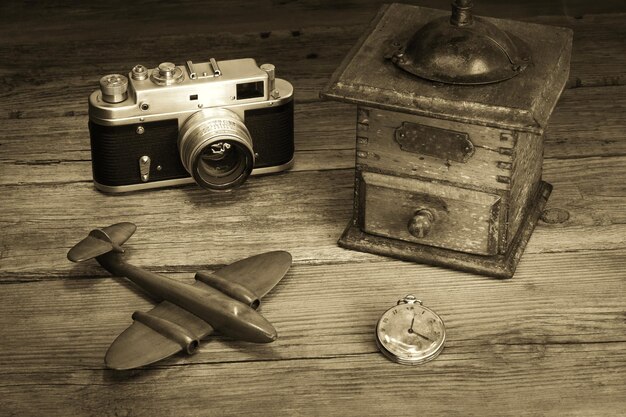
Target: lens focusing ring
<point x="209" y="132"/>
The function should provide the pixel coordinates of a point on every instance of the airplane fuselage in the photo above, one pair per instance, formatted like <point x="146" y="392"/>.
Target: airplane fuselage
<point x="227" y="315"/>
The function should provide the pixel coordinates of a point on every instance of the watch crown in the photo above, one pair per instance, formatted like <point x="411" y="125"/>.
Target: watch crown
<point x="409" y="299"/>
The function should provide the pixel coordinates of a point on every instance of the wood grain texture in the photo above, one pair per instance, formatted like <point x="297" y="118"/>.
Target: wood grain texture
<point x="389" y="203"/>
<point x="556" y="380"/>
<point x="382" y="152"/>
<point x="301" y="212"/>
<point x="534" y="334"/>
<point x="58" y="148"/>
<point x="69" y="20"/>
<point x="35" y="85"/>
<point x="548" y="342"/>
<point x="525" y="179"/>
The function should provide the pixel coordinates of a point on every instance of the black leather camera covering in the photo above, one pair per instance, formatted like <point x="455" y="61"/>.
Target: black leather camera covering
<point x="271" y="129"/>
<point x="116" y="150"/>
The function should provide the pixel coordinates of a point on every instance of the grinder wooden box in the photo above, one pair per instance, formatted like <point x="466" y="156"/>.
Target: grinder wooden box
<point x="448" y="174"/>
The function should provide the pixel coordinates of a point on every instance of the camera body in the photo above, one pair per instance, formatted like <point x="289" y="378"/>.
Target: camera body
<point x="212" y="122"/>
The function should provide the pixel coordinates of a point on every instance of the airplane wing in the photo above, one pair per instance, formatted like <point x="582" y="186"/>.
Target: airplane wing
<point x="259" y="273"/>
<point x="88" y="248"/>
<point x="120" y="232"/>
<point x="93" y="246"/>
<point x="140" y="345"/>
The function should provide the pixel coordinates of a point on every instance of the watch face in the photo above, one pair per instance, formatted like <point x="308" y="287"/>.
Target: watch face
<point x="410" y="333"/>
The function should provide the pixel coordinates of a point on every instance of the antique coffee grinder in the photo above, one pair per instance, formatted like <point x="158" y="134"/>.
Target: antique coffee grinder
<point x="449" y="148"/>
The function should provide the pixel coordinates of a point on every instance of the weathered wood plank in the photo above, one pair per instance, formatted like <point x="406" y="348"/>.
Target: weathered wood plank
<point x="532" y="334"/>
<point x="303" y="212"/>
<point x="318" y="315"/>
<point x="280" y="211"/>
<point x="60" y="21"/>
<point x="36" y="85"/>
<point x="587" y="122"/>
<point x="595" y="48"/>
<point x="548" y="342"/>
<point x="553" y="380"/>
<point x="56" y="150"/>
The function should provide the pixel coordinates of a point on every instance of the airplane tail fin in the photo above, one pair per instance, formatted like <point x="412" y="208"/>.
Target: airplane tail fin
<point x="101" y="241"/>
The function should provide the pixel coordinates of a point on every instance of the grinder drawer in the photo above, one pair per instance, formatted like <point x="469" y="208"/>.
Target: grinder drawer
<point x="430" y="213"/>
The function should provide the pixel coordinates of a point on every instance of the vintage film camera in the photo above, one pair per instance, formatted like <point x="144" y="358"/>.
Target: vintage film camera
<point x="214" y="123"/>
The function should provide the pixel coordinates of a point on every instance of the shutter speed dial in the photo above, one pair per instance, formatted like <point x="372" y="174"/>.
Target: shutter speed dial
<point x="167" y="73"/>
<point x="166" y="70"/>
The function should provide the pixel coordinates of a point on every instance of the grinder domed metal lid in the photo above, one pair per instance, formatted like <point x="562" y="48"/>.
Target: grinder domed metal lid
<point x="462" y="49"/>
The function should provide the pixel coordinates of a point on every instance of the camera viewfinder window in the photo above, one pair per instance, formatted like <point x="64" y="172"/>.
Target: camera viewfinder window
<point x="250" y="90"/>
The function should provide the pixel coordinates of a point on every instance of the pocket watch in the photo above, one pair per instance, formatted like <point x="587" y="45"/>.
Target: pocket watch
<point x="409" y="333"/>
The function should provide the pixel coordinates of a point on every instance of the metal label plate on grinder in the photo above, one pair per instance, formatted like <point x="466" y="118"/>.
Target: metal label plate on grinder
<point x="432" y="141"/>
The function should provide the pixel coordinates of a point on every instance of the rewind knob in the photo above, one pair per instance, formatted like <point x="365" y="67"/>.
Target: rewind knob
<point x="114" y="88"/>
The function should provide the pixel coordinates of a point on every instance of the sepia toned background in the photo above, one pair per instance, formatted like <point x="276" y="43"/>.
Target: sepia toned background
<point x="550" y="341"/>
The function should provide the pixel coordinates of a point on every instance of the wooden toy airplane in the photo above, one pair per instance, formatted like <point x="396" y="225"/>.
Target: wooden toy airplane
<point x="225" y="300"/>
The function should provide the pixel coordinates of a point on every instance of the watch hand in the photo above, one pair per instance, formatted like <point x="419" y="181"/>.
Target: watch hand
<point x="421" y="335"/>
<point x="411" y="330"/>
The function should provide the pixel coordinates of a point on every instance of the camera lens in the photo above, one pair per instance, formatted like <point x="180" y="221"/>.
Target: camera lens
<point x="220" y="160"/>
<point x="216" y="149"/>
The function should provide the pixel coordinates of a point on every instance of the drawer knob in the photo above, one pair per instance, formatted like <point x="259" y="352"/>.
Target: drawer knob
<point x="421" y="223"/>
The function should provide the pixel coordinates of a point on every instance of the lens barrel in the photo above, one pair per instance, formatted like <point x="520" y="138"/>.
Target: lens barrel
<point x="216" y="149"/>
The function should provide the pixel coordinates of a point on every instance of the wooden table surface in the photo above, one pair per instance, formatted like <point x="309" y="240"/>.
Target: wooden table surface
<point x="550" y="341"/>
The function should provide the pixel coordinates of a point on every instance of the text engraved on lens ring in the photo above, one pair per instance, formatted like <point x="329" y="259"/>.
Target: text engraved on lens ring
<point x="218" y="126"/>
